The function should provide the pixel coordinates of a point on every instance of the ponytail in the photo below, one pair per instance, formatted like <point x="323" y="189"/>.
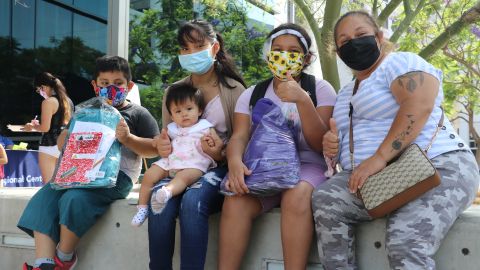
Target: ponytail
<point x="225" y="66"/>
<point x="64" y="104"/>
<point x="53" y="82"/>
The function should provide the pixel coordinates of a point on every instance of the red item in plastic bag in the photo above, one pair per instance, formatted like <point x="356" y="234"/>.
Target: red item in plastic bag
<point x="79" y="157"/>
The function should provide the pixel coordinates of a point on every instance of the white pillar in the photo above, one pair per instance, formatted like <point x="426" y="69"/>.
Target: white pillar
<point x="117" y="28"/>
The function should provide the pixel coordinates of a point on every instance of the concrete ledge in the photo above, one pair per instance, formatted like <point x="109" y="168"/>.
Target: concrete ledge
<point x="114" y="244"/>
<point x="111" y="244"/>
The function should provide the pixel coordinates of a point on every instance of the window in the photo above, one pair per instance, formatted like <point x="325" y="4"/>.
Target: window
<point x="53" y="25"/>
<point x="92" y="33"/>
<point x="63" y="37"/>
<point x="23" y="23"/>
<point x="4" y="18"/>
<point x="98" y="8"/>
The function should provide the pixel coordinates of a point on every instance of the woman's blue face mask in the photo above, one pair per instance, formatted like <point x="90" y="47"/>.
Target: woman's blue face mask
<point x="198" y="63"/>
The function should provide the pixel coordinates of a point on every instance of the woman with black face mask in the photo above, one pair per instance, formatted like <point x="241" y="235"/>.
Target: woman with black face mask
<point x="393" y="102"/>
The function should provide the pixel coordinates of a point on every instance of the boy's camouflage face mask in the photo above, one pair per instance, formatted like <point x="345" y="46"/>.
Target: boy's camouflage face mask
<point x="281" y="62"/>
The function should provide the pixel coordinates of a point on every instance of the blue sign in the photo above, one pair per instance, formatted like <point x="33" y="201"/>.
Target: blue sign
<point x="22" y="169"/>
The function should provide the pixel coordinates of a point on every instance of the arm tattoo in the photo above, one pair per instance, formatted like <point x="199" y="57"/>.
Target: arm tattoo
<point x="408" y="81"/>
<point x="397" y="143"/>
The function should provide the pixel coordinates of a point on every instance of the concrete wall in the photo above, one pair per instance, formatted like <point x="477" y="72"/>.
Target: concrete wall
<point x="114" y="244"/>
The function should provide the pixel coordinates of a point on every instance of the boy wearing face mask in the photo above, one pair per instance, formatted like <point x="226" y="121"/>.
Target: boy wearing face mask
<point x="57" y="219"/>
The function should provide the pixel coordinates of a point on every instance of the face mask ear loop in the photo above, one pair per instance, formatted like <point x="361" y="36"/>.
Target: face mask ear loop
<point x="310" y="56"/>
<point x="267" y="46"/>
<point x="211" y="49"/>
<point x="381" y="47"/>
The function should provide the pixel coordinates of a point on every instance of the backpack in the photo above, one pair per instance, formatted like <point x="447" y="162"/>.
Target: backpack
<point x="307" y="82"/>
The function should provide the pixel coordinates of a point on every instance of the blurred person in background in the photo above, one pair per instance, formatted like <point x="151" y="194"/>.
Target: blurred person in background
<point x="57" y="109"/>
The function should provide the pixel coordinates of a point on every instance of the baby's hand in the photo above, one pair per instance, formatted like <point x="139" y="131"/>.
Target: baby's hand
<point x="212" y="145"/>
<point x="209" y="140"/>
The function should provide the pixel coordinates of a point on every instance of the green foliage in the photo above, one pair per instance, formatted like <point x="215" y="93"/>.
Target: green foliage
<point x="431" y="22"/>
<point x="462" y="73"/>
<point x="458" y="82"/>
<point x="243" y="40"/>
<point x="151" y="98"/>
<point x="153" y="42"/>
<point x="154" y="46"/>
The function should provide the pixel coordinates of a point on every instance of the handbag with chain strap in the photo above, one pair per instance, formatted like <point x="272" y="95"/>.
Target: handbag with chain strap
<point x="405" y="178"/>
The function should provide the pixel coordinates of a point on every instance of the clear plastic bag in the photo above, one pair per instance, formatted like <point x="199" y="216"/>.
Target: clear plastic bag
<point x="271" y="153"/>
<point x="91" y="155"/>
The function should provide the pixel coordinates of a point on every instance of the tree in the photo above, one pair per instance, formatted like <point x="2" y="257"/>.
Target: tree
<point x="323" y="37"/>
<point x="457" y="57"/>
<point x="153" y="54"/>
<point x="463" y="81"/>
<point x="469" y="17"/>
<point x="154" y="46"/>
<point x="427" y="10"/>
<point x="445" y="32"/>
<point x="151" y="38"/>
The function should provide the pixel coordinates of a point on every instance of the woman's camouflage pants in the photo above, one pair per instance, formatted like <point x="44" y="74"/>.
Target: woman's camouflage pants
<point x="414" y="232"/>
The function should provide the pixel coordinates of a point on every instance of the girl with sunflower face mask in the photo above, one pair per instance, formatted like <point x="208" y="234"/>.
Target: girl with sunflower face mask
<point x="287" y="53"/>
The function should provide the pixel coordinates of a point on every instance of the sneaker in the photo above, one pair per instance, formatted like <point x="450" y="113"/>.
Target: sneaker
<point x="47" y="266"/>
<point x="140" y="216"/>
<point x="43" y="266"/>
<point x="66" y="265"/>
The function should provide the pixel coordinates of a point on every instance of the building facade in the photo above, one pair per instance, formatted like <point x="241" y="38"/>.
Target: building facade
<point x="64" y="37"/>
<point x="61" y="37"/>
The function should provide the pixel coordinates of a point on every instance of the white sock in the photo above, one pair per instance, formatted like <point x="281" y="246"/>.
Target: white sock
<point x="163" y="195"/>
<point x="140" y="216"/>
<point x="160" y="199"/>
<point x="64" y="257"/>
